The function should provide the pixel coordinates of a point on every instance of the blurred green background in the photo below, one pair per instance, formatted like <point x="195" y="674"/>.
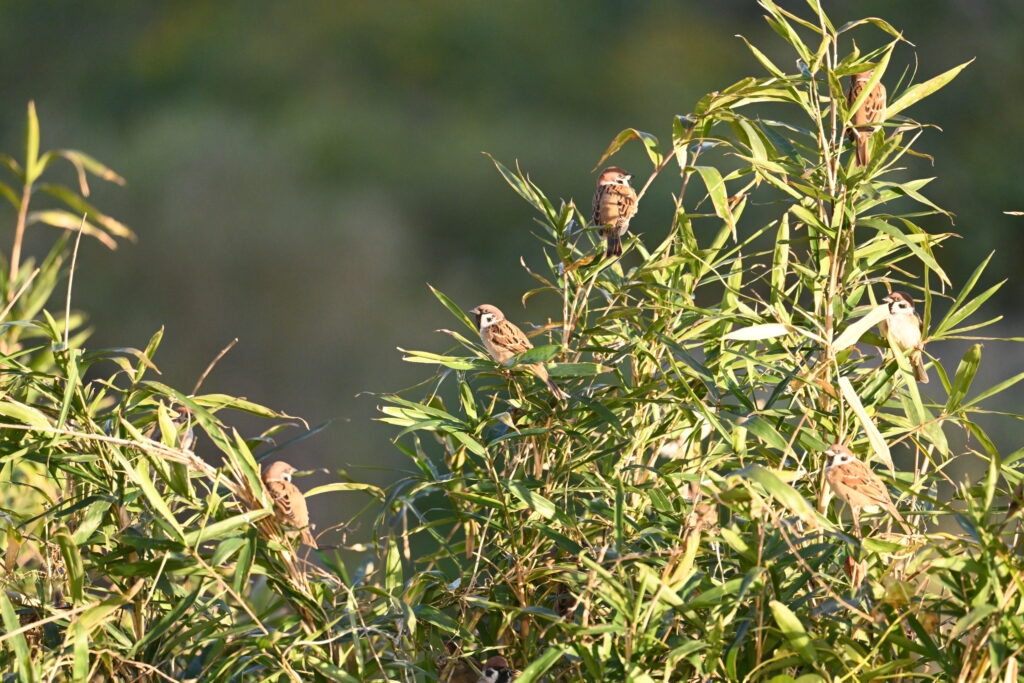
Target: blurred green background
<point x="297" y="172"/>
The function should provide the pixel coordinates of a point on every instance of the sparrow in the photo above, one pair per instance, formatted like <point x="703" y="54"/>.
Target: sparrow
<point x="614" y="206"/>
<point x="904" y="325"/>
<point x="504" y="341"/>
<point x="855" y="483"/>
<point x="496" y="670"/>
<point x="289" y="503"/>
<point x="871" y="111"/>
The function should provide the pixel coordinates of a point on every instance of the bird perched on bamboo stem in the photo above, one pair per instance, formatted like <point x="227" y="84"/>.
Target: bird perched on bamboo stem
<point x="504" y="341"/>
<point x="289" y="503"/>
<point x="872" y="111"/>
<point x="614" y="206"/>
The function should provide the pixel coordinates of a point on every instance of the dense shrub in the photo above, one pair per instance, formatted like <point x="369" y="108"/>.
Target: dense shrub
<point x="669" y="521"/>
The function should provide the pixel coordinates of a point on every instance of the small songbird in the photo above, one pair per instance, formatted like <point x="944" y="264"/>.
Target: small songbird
<point x="497" y="670"/>
<point x="614" y="206"/>
<point x="504" y="341"/>
<point x="855" y="483"/>
<point x="904" y="326"/>
<point x="871" y="111"/>
<point x="289" y="503"/>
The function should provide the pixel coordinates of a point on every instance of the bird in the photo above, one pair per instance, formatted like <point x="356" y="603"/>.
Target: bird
<point x="614" y="207"/>
<point x="855" y="483"/>
<point x="904" y="326"/>
<point x="872" y="110"/>
<point x="496" y="670"/>
<point x="289" y="503"/>
<point x="503" y="340"/>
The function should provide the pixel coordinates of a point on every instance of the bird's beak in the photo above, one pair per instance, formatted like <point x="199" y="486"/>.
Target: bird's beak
<point x="887" y="300"/>
<point x="629" y="176"/>
<point x="474" y="311"/>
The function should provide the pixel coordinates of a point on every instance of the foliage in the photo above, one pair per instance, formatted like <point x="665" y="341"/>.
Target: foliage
<point x="671" y="522"/>
<point x="668" y="522"/>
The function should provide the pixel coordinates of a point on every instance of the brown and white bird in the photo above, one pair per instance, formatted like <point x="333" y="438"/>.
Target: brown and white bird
<point x="871" y="111"/>
<point x="504" y="341"/>
<point x="855" y="483"/>
<point x="903" y="325"/>
<point x="614" y="207"/>
<point x="497" y="670"/>
<point x="289" y="503"/>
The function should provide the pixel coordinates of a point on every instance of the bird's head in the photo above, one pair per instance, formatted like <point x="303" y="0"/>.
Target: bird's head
<point x="899" y="303"/>
<point x="486" y="315"/>
<point x="278" y="471"/>
<point x="838" y="455"/>
<point x="613" y="175"/>
<point x="495" y="670"/>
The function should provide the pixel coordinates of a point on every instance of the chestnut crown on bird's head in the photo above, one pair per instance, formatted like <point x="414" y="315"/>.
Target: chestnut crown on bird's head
<point x="497" y="661"/>
<point x="838" y="455"/>
<point x="278" y="471"/>
<point x="899" y="302"/>
<point x="486" y="315"/>
<point x="613" y="175"/>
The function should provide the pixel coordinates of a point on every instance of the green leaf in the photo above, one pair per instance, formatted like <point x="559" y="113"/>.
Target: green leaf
<point x="781" y="491"/>
<point x="538" y="354"/>
<point x="540" y="664"/>
<point x="26" y="672"/>
<point x="374" y="491"/>
<point x="73" y="565"/>
<point x="450" y="305"/>
<point x="717" y="192"/>
<point x="965" y="373"/>
<point x="577" y="369"/>
<point x="32" y="167"/>
<point x="878" y="444"/>
<point x="852" y="334"/>
<point x="650" y="145"/>
<point x="544" y="507"/>
<point x="916" y="93"/>
<point x="224" y="527"/>
<point x="992" y="391"/>
<point x="793" y="629"/>
<point x="24" y="414"/>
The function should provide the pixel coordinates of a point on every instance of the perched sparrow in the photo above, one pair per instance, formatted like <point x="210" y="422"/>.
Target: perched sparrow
<point x="872" y="111"/>
<point x="504" y="341"/>
<point x="614" y="206"/>
<point x="855" y="483"/>
<point x="496" y="670"/>
<point x="289" y="502"/>
<point x="904" y="326"/>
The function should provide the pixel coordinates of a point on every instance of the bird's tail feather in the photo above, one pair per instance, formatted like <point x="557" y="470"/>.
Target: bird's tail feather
<point x="862" y="148"/>
<point x="614" y="246"/>
<point x="920" y="374"/>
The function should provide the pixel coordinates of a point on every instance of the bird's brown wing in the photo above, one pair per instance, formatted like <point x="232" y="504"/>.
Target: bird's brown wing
<point x="289" y="503"/>
<point x="615" y="206"/>
<point x="874" y="105"/>
<point x="506" y="335"/>
<point x="857" y="477"/>
<point x="858" y="118"/>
